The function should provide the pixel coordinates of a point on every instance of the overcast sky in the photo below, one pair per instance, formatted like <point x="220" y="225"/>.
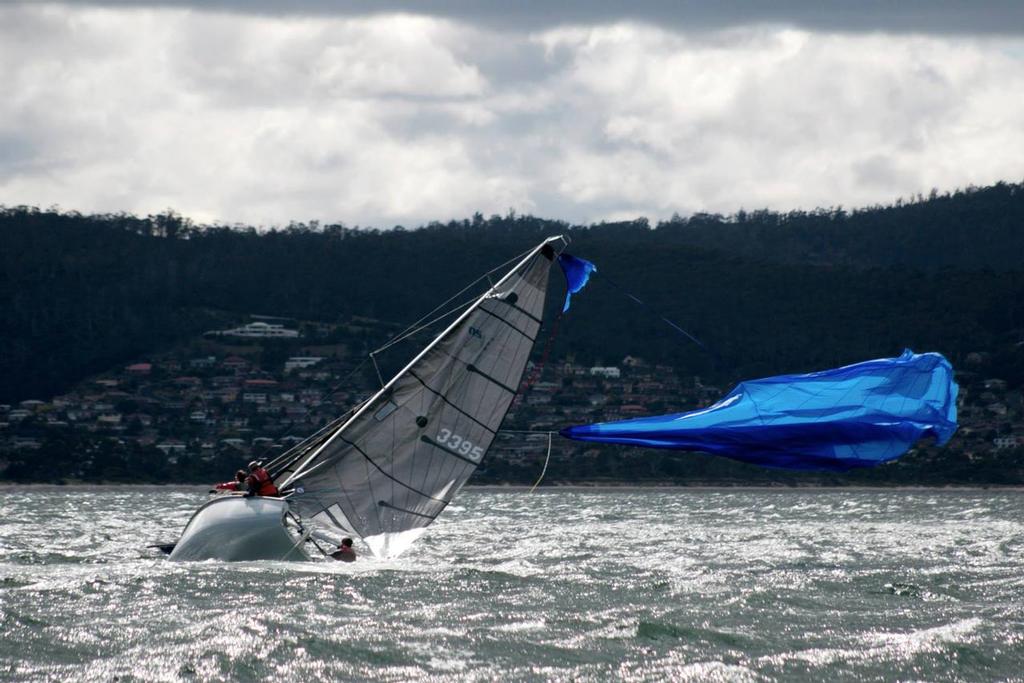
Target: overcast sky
<point x="230" y="111"/>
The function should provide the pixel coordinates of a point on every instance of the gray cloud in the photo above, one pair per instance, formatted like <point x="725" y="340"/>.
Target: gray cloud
<point x="401" y="119"/>
<point x="916" y="16"/>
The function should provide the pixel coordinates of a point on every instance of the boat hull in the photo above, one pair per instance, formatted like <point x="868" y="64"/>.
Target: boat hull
<point x="239" y="529"/>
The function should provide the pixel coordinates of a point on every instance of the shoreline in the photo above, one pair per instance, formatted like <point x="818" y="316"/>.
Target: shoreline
<point x="773" y="488"/>
<point x="620" y="487"/>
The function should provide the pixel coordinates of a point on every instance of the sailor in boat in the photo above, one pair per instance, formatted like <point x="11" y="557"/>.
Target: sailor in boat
<point x="237" y="485"/>
<point x="345" y="551"/>
<point x="259" y="482"/>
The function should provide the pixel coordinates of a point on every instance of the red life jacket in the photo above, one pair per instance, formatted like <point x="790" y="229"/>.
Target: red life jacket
<point x="227" y="486"/>
<point x="260" y="482"/>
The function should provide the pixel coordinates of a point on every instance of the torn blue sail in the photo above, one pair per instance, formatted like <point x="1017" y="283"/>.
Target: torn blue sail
<point x="577" y="272"/>
<point x="859" y="415"/>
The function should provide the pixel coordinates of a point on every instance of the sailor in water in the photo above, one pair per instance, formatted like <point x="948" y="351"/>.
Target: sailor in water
<point x="259" y="482"/>
<point x="345" y="551"/>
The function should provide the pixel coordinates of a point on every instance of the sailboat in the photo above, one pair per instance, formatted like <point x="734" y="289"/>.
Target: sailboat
<point x="385" y="470"/>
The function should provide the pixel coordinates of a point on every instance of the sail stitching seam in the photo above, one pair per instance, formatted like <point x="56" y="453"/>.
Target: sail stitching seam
<point x="385" y="504"/>
<point x="521" y="310"/>
<point x="445" y="399"/>
<point x="495" y="315"/>
<point x="478" y="371"/>
<point x="389" y="476"/>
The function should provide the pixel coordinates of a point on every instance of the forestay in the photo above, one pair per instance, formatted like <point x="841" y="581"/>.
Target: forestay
<point x="387" y="472"/>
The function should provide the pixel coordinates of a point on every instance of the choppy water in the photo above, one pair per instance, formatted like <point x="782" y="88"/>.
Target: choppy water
<point x="558" y="585"/>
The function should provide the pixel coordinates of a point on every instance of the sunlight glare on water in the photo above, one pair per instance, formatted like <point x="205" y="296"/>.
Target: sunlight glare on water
<point x="564" y="584"/>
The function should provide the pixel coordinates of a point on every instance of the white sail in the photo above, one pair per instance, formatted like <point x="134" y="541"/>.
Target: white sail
<point x="387" y="472"/>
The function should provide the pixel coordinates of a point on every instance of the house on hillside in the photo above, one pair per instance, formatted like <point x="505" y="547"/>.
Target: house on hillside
<point x="171" y="446"/>
<point x="260" y="383"/>
<point x="235" y="363"/>
<point x="257" y="330"/>
<point x="299" y="362"/>
<point x="139" y="369"/>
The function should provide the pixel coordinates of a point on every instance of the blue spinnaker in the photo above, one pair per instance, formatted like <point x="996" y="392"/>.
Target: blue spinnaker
<point x="859" y="415"/>
<point x="577" y="272"/>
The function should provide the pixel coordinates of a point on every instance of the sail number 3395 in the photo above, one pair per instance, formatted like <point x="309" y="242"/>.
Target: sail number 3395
<point x="460" y="445"/>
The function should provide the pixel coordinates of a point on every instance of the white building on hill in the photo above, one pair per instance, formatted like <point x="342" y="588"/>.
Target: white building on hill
<point x="298" y="362"/>
<point x="259" y="330"/>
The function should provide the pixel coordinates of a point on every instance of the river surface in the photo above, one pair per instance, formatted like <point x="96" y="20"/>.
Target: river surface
<point x="668" y="584"/>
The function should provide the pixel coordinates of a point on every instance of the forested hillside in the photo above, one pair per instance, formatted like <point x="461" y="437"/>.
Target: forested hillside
<point x="767" y="292"/>
<point x="972" y="229"/>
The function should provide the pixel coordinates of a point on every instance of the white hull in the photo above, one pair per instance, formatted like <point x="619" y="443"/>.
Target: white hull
<point x="238" y="529"/>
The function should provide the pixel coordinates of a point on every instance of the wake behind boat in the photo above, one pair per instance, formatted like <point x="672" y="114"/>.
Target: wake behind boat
<point x="386" y="469"/>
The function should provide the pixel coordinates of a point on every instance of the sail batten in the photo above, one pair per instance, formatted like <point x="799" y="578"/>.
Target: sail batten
<point x="455" y="407"/>
<point x="398" y="461"/>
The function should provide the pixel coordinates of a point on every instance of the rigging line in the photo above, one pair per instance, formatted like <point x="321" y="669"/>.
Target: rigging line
<point x="527" y="431"/>
<point x="373" y="357"/>
<point x="543" y="471"/>
<point x="410" y="332"/>
<point x="313" y="539"/>
<point x="282" y="462"/>
<point x="302" y="539"/>
<point x="344" y="526"/>
<point x="419" y="325"/>
<point x="539" y="368"/>
<point x="304" y="535"/>
<point x="472" y="284"/>
<point x="330" y="393"/>
<point x="670" y="323"/>
<point x="302" y="530"/>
